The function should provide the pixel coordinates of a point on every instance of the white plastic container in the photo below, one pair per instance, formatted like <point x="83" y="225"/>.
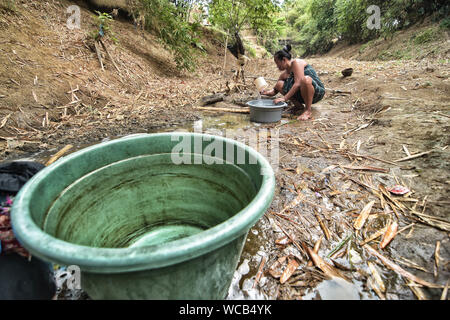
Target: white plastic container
<point x="260" y="83"/>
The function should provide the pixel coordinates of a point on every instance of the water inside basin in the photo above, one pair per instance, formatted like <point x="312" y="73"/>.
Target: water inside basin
<point x="266" y="103"/>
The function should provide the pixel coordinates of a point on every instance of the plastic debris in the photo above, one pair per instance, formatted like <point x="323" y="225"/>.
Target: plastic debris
<point x="399" y="190"/>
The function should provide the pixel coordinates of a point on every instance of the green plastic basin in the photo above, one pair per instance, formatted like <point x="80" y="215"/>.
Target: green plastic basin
<point x="140" y="224"/>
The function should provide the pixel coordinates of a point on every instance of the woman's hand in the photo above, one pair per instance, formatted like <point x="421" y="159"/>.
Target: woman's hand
<point x="278" y="100"/>
<point x="267" y="92"/>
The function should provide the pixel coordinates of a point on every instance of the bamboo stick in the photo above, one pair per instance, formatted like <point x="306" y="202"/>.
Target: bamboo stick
<point x="110" y="56"/>
<point x="322" y="225"/>
<point x="399" y="270"/>
<point x="99" y="55"/>
<point x="235" y="110"/>
<point x="259" y="273"/>
<point x="413" y="156"/>
<point x="59" y="154"/>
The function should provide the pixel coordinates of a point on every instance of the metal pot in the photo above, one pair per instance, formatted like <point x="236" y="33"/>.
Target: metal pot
<point x="264" y="111"/>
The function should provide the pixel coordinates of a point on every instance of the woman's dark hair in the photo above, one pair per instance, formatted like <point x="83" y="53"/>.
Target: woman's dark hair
<point x="284" y="53"/>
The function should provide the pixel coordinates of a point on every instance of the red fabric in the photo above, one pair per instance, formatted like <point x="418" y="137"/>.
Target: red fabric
<point x="9" y="243"/>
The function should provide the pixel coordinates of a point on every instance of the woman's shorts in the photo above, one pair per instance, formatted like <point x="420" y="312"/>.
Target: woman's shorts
<point x="319" y="88"/>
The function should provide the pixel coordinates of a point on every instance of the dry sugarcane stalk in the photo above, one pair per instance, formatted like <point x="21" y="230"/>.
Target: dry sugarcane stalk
<point x="399" y="270"/>
<point x="444" y="292"/>
<point x="432" y="221"/>
<point x="374" y="236"/>
<point x="110" y="56"/>
<point x="321" y="138"/>
<point x="290" y="269"/>
<point x="333" y="91"/>
<point x="259" y="273"/>
<point x="410" y="264"/>
<point x="285" y="217"/>
<point x="399" y="205"/>
<point x="413" y="156"/>
<point x="371" y="283"/>
<point x="5" y="119"/>
<point x="316" y="250"/>
<point x="416" y="290"/>
<point x="72" y="90"/>
<point x="370" y="188"/>
<point x="372" y="158"/>
<point x="322" y="225"/>
<point x="293" y="203"/>
<point x="376" y="276"/>
<point x="390" y="233"/>
<point x="235" y="110"/>
<point x="363" y="126"/>
<point x="408" y="200"/>
<point x="365" y="168"/>
<point x="99" y="55"/>
<point x="395" y="98"/>
<point x="406" y="151"/>
<point x="436" y="258"/>
<point x="295" y="224"/>
<point x="406" y="228"/>
<point x="291" y="238"/>
<point x="322" y="264"/>
<point x="363" y="215"/>
<point x="58" y="154"/>
<point x="324" y="209"/>
<point x="273" y="268"/>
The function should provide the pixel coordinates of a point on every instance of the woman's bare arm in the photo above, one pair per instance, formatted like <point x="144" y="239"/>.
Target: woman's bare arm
<point x="269" y="93"/>
<point x="274" y="91"/>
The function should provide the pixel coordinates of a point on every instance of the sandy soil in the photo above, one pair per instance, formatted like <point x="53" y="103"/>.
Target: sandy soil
<point x="53" y="93"/>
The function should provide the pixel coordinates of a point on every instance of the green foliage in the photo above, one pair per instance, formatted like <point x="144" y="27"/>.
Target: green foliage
<point x="183" y="8"/>
<point x="263" y="17"/>
<point x="445" y="23"/>
<point x="386" y="55"/>
<point x="271" y="45"/>
<point x="219" y="34"/>
<point x="8" y="5"/>
<point x="103" y="21"/>
<point x="428" y="35"/>
<point x="313" y="25"/>
<point x="251" y="52"/>
<point x="269" y="36"/>
<point x="351" y="19"/>
<point x="316" y="24"/>
<point x="233" y="15"/>
<point x="169" y="20"/>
